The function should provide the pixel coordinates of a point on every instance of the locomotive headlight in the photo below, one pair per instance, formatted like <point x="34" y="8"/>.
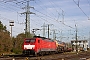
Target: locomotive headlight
<point x="25" y="48"/>
<point x="33" y="47"/>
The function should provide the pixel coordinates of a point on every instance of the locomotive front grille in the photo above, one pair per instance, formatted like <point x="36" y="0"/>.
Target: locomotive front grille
<point x="29" y="52"/>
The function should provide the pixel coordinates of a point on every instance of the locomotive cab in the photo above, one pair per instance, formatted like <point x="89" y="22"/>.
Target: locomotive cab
<point x="29" y="46"/>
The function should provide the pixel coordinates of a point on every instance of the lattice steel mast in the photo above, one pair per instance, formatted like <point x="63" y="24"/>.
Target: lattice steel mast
<point x="27" y="23"/>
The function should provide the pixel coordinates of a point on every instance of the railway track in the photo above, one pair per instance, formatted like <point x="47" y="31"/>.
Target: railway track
<point x="61" y="56"/>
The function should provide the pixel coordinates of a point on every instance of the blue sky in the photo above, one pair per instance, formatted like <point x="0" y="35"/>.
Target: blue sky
<point x="54" y="12"/>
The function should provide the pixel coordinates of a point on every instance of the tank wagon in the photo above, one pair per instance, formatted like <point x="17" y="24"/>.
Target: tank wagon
<point x="61" y="46"/>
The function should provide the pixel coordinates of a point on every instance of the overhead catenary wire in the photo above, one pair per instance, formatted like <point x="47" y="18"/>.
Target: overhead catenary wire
<point x="48" y="15"/>
<point x="53" y="19"/>
<point x="58" y="12"/>
<point x="6" y="19"/>
<point x="45" y="15"/>
<point x="42" y="7"/>
<point x="81" y="9"/>
<point x="9" y="9"/>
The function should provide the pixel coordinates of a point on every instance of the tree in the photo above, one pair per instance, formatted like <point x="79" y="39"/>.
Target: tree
<point x="5" y="41"/>
<point x="17" y="43"/>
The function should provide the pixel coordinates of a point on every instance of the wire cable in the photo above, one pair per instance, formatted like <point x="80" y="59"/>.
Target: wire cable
<point x="81" y="9"/>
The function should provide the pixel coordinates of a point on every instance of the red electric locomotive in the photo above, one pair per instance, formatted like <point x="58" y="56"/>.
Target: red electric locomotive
<point x="38" y="45"/>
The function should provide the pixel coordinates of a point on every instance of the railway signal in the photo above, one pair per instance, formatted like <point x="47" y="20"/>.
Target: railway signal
<point x="11" y="24"/>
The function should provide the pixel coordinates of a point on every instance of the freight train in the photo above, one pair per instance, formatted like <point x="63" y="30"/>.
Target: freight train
<point x="41" y="45"/>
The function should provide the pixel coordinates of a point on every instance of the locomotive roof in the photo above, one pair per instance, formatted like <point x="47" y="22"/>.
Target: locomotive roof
<point x="43" y="38"/>
<point x="39" y="37"/>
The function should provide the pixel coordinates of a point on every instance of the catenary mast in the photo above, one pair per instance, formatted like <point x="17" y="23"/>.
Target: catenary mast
<point x="27" y="23"/>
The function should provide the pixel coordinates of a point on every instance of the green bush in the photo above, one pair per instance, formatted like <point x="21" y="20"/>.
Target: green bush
<point x="16" y="51"/>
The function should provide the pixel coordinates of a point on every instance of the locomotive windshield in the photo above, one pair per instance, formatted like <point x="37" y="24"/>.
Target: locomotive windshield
<point x="29" y="40"/>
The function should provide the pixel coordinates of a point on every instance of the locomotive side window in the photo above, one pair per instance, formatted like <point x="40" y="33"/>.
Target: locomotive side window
<point x="38" y="41"/>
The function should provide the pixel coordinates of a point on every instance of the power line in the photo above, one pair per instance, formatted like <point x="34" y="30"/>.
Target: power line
<point x="53" y="19"/>
<point x="81" y="9"/>
<point x="10" y="6"/>
<point x="46" y="8"/>
<point x="56" y="9"/>
<point x="6" y="19"/>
